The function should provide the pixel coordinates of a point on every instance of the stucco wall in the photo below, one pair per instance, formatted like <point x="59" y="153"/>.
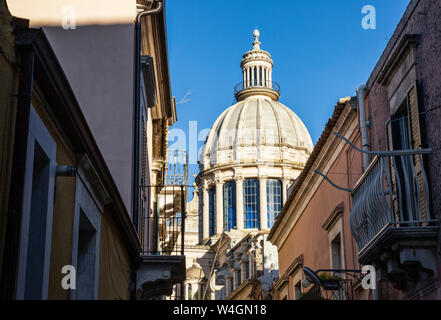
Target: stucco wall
<point x="8" y="103"/>
<point x="63" y="214"/>
<point x="98" y="62"/>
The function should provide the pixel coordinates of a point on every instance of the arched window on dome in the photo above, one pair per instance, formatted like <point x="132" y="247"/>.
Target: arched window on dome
<point x="274" y="199"/>
<point x="251" y="204"/>
<point x="212" y="210"/>
<point x="265" y="81"/>
<point x="229" y="205"/>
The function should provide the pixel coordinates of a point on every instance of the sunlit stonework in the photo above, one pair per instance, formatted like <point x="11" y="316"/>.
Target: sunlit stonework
<point x="255" y="150"/>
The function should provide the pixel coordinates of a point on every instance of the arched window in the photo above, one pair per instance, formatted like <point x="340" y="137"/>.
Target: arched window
<point x="229" y="205"/>
<point x="260" y="76"/>
<point x="265" y="84"/>
<point x="212" y="210"/>
<point x="251" y="204"/>
<point x="274" y="200"/>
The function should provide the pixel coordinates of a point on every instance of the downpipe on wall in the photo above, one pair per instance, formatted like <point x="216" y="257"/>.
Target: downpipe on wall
<point x="156" y="8"/>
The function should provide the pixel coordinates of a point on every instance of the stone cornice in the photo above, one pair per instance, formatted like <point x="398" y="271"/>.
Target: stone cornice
<point x="333" y="217"/>
<point x="256" y="165"/>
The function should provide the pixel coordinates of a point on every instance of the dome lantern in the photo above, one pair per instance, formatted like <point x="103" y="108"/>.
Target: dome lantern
<point x="257" y="73"/>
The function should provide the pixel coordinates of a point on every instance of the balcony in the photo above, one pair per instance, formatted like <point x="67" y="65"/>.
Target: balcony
<point x="390" y="219"/>
<point x="162" y="229"/>
<point x="268" y="88"/>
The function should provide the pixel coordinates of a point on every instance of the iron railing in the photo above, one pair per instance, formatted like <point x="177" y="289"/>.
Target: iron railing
<point x="162" y="218"/>
<point x="265" y="84"/>
<point x="177" y="168"/>
<point x="163" y="227"/>
<point x="392" y="193"/>
<point x="332" y="284"/>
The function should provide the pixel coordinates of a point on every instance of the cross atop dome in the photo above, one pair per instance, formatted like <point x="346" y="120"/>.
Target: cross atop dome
<point x="256" y="43"/>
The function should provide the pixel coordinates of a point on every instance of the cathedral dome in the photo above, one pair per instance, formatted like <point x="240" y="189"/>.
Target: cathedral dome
<point x="255" y="150"/>
<point x="257" y="129"/>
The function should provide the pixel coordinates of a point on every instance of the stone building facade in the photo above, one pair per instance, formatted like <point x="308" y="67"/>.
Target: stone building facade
<point x="403" y="98"/>
<point x="253" y="153"/>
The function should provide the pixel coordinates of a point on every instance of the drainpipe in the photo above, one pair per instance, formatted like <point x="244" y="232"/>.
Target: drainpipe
<point x="361" y="94"/>
<point x="137" y="122"/>
<point x="363" y="124"/>
<point x="137" y="110"/>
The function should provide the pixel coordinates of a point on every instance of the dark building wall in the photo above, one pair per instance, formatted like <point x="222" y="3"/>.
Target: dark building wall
<point x="8" y="104"/>
<point x="425" y="21"/>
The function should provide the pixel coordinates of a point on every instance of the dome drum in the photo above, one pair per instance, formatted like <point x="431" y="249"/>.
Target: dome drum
<point x="253" y="153"/>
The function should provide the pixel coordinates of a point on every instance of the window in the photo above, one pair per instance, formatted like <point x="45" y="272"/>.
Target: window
<point x="337" y="263"/>
<point x="336" y="252"/>
<point x="246" y="270"/>
<point x="255" y="76"/>
<point x="298" y="290"/>
<point x="260" y="76"/>
<point x="229" y="206"/>
<point x="407" y="176"/>
<point x="201" y="291"/>
<point x="230" y="285"/>
<point x="189" y="292"/>
<point x="274" y="200"/>
<point x="251" y="204"/>
<point x="38" y="199"/>
<point x="86" y="259"/>
<point x="212" y="210"/>
<point x="86" y="239"/>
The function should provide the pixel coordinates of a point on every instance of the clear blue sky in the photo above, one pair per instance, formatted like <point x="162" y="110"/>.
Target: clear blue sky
<point x="320" y="51"/>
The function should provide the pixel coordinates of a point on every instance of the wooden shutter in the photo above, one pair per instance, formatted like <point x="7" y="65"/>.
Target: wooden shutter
<point x="416" y="141"/>
<point x="390" y="146"/>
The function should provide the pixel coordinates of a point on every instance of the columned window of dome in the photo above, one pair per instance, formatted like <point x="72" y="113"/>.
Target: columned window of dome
<point x="274" y="200"/>
<point x="255" y="77"/>
<point x="212" y="210"/>
<point x="229" y="205"/>
<point x="264" y="77"/>
<point x="251" y="204"/>
<point x="260" y="76"/>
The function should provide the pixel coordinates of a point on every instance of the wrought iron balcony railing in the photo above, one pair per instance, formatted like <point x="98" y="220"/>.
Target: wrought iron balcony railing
<point x="392" y="193"/>
<point x="162" y="231"/>
<point x="162" y="220"/>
